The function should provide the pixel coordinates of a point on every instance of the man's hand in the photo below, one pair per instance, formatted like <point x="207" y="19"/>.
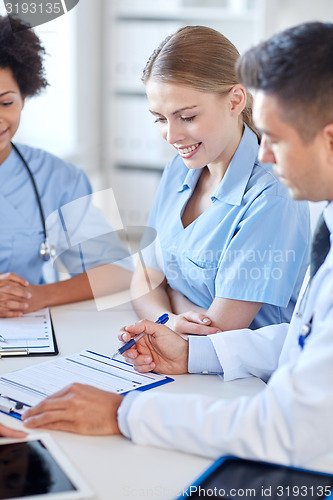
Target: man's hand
<point x="78" y="408"/>
<point x="160" y="349"/>
<point x="14" y="295"/>
<point x="11" y="433"/>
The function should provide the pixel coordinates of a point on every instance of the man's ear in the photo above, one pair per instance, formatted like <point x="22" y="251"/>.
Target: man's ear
<point x="237" y="99"/>
<point x="328" y="135"/>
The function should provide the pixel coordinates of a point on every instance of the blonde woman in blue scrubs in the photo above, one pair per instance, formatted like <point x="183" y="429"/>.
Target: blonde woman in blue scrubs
<point x="233" y="244"/>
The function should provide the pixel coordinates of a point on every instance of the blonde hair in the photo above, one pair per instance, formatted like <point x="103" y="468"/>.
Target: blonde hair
<point x="198" y="57"/>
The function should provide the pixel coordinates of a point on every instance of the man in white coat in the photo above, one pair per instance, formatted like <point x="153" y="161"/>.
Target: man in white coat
<point x="290" y="421"/>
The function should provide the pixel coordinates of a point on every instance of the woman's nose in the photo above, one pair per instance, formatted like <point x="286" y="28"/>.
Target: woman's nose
<point x="174" y="133"/>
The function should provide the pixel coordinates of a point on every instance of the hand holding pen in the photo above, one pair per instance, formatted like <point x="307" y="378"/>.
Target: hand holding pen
<point x="162" y="350"/>
<point x="161" y="320"/>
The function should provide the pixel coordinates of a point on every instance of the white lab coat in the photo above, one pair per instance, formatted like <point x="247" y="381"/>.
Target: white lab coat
<point x="290" y="421"/>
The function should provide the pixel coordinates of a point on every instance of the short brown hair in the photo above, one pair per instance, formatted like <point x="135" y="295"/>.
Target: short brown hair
<point x="296" y="66"/>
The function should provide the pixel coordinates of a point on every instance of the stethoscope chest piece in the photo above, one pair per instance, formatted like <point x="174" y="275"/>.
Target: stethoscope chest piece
<point x="46" y="251"/>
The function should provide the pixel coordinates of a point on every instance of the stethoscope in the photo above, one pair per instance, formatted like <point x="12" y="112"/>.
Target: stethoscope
<point x="46" y="251"/>
<point x="307" y="327"/>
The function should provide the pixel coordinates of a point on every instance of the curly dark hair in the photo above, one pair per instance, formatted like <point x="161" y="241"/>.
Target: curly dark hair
<point x="22" y="52"/>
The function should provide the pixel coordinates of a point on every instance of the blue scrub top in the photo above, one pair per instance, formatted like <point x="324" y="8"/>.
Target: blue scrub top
<point x="61" y="187"/>
<point x="251" y="244"/>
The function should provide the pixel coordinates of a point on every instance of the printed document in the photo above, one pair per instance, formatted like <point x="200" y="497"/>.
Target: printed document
<point x="31" y="385"/>
<point x="31" y="332"/>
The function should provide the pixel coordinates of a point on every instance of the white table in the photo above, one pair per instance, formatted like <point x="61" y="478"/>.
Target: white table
<point x="113" y="466"/>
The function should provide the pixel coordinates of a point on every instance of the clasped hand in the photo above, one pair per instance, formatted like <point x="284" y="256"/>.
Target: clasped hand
<point x="18" y="296"/>
<point x="187" y="318"/>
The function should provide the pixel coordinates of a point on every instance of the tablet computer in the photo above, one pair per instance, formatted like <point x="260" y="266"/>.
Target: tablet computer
<point x="36" y="469"/>
<point x="232" y="477"/>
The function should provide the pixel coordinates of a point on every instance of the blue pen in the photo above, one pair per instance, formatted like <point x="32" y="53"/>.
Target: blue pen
<point x="161" y="320"/>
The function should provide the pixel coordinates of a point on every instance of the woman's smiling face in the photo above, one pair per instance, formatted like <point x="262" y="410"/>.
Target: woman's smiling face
<point x="11" y="104"/>
<point x="201" y="126"/>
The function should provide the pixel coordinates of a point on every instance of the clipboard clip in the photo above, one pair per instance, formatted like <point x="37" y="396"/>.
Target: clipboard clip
<point x="13" y="352"/>
<point x="9" y="405"/>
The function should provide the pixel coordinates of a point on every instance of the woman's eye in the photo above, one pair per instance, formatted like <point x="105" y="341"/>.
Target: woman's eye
<point x="7" y="103"/>
<point x="159" y="120"/>
<point x="187" y="118"/>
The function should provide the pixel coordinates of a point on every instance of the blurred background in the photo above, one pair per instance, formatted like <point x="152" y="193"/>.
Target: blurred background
<point x="95" y="113"/>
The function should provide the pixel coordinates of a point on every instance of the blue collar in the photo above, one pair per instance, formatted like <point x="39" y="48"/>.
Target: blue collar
<point x="232" y="187"/>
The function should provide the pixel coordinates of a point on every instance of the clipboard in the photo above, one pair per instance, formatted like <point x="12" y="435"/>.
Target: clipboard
<point x="24" y="388"/>
<point x="30" y="335"/>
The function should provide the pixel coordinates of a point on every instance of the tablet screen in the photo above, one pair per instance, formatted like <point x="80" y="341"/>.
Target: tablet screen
<point x="28" y="469"/>
<point x="237" y="478"/>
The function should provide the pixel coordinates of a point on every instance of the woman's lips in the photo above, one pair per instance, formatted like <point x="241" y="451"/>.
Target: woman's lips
<point x="189" y="151"/>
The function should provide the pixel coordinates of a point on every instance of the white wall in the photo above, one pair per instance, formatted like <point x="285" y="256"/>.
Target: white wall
<point x="69" y="119"/>
<point x="88" y="68"/>
<point x="49" y="120"/>
<point x="66" y="118"/>
<point x="281" y="14"/>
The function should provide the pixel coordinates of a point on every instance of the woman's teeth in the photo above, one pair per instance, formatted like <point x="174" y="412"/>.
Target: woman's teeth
<point x="188" y="150"/>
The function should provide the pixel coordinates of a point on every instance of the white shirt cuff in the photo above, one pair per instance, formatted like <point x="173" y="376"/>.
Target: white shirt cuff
<point x="202" y="357"/>
<point x="123" y="412"/>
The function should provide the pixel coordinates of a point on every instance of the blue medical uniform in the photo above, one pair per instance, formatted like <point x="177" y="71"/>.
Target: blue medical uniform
<point x="251" y="244"/>
<point x="60" y="185"/>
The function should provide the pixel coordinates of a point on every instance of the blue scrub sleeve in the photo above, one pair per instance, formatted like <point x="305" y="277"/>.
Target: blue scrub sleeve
<point x="266" y="254"/>
<point x="152" y="254"/>
<point x="82" y="235"/>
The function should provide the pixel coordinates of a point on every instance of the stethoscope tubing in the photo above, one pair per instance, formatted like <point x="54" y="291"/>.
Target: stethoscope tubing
<point x="45" y="251"/>
<point x="25" y="163"/>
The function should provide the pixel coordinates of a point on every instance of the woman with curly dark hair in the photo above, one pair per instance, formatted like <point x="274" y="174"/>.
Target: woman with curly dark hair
<point x="35" y="185"/>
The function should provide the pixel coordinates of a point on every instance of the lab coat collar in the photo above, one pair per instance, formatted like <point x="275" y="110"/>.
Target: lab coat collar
<point x="328" y="216"/>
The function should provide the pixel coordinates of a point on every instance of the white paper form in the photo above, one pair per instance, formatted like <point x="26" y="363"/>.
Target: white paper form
<point x="33" y="384"/>
<point x="31" y="332"/>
